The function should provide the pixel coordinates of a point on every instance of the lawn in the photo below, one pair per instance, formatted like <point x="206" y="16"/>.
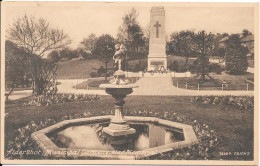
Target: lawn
<point x="234" y="126"/>
<point x="235" y="82"/>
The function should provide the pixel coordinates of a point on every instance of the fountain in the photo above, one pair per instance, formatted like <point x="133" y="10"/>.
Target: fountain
<point x="119" y="87"/>
<point x="114" y="137"/>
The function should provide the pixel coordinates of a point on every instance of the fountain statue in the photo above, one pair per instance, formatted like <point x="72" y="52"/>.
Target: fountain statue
<point x="119" y="88"/>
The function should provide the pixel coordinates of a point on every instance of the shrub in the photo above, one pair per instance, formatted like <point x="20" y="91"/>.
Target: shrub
<point x="60" y="98"/>
<point x="174" y="66"/>
<point x="236" y="55"/>
<point x="216" y="68"/>
<point x="94" y="74"/>
<point x="241" y="102"/>
<point x="177" y="67"/>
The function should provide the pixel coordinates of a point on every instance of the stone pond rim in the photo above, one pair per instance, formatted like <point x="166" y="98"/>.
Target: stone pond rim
<point x="45" y="143"/>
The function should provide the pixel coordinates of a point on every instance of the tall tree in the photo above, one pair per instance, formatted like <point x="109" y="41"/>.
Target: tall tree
<point x="182" y="44"/>
<point x="235" y="53"/>
<point x="36" y="37"/>
<point x="16" y="70"/>
<point x="205" y="45"/>
<point x="104" y="50"/>
<point x="131" y="35"/>
<point x="89" y="42"/>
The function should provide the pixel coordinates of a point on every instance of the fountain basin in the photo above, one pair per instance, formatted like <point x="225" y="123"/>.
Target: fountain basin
<point x="82" y="148"/>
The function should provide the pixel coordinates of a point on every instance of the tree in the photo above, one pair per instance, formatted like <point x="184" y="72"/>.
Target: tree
<point x="68" y="53"/>
<point x="36" y="37"/>
<point x="224" y="34"/>
<point x="16" y="70"/>
<point x="54" y="56"/>
<point x="236" y="59"/>
<point x="246" y="33"/>
<point x="182" y="44"/>
<point x="83" y="53"/>
<point x="131" y="35"/>
<point x="104" y="50"/>
<point x="89" y="43"/>
<point x="205" y="45"/>
<point x="45" y="72"/>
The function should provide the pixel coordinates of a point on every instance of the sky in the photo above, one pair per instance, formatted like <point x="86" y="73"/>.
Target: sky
<point x="81" y="19"/>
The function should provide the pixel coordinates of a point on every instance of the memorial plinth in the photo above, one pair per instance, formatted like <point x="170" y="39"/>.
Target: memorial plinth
<point x="119" y="88"/>
<point x="157" y="42"/>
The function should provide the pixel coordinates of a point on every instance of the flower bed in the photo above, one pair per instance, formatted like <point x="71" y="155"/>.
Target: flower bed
<point x="60" y="98"/>
<point x="208" y="139"/>
<point x="241" y="102"/>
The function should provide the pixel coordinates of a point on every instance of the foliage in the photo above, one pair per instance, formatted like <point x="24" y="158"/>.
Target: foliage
<point x="89" y="43"/>
<point x="245" y="103"/>
<point x="245" y="32"/>
<point x="45" y="100"/>
<point x="104" y="50"/>
<point x="54" y="56"/>
<point x="176" y="67"/>
<point x="16" y="66"/>
<point x="139" y="67"/>
<point x="37" y="38"/>
<point x="131" y="35"/>
<point x="205" y="45"/>
<point x="44" y="74"/>
<point x="182" y="44"/>
<point x="208" y="139"/>
<point x="189" y="44"/>
<point x="236" y="59"/>
<point x="68" y="53"/>
<point x="84" y="54"/>
<point x="216" y="68"/>
<point x="101" y="72"/>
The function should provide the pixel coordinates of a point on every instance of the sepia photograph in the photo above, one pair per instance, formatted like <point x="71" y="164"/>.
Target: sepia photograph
<point x="129" y="83"/>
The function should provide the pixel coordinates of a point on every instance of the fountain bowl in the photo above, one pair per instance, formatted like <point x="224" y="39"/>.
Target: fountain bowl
<point x="49" y="148"/>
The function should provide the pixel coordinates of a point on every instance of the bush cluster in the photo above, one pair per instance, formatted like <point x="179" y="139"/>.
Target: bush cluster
<point x="241" y="102"/>
<point x="176" y="66"/>
<point x="101" y="72"/>
<point x="44" y="100"/>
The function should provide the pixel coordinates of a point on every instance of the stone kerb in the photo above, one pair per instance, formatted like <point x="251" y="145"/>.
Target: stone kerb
<point x="175" y="74"/>
<point x="49" y="148"/>
<point x="157" y="74"/>
<point x="133" y="74"/>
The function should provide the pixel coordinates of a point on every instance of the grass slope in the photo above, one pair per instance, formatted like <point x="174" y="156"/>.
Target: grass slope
<point x="76" y="68"/>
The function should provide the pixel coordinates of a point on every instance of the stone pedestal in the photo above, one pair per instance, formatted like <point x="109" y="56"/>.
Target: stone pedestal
<point x="119" y="88"/>
<point x="157" y="42"/>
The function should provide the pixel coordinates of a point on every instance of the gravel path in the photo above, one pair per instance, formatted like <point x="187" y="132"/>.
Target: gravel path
<point x="150" y="86"/>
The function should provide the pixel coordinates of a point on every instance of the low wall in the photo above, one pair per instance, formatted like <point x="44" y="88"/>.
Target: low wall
<point x="172" y="74"/>
<point x="134" y="74"/>
<point x="175" y="74"/>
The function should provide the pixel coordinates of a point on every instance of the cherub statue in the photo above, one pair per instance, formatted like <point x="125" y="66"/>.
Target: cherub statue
<point x="119" y="55"/>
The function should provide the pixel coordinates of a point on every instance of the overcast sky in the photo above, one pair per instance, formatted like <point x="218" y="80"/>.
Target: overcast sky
<point x="81" y="19"/>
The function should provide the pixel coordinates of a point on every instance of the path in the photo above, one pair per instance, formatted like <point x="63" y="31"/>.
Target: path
<point x="20" y="94"/>
<point x="66" y="86"/>
<point x="150" y="86"/>
<point x="163" y="87"/>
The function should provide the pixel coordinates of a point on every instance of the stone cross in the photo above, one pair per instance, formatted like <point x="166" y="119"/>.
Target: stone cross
<point x="157" y="25"/>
